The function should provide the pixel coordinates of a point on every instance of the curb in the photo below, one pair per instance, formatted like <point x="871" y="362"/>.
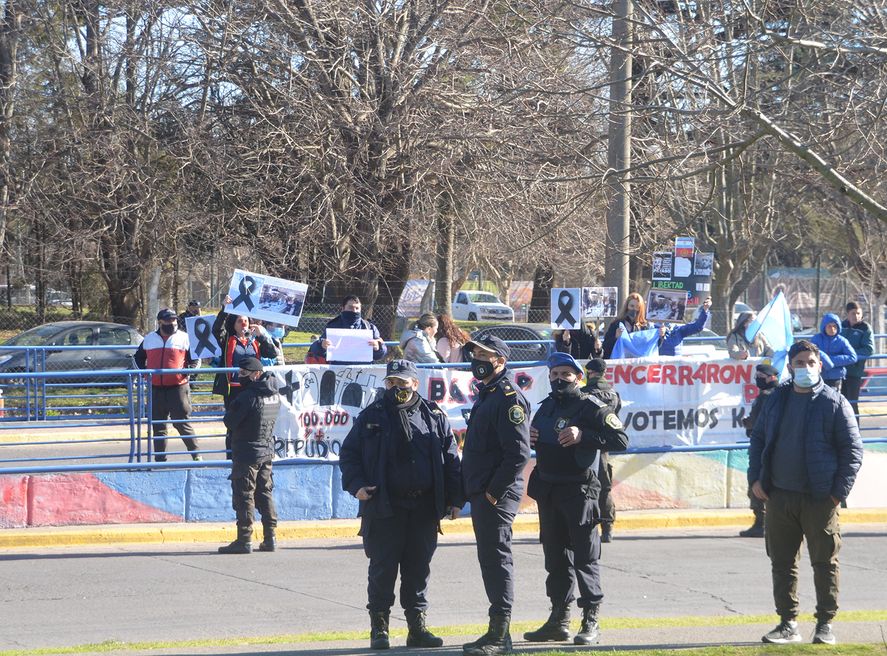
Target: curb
<point x="110" y="534"/>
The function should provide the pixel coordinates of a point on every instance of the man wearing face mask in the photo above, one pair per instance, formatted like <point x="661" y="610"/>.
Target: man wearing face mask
<point x="803" y="458"/>
<point x="766" y="379"/>
<point x="598" y="387"/>
<point x="569" y="432"/>
<point x="349" y="317"/>
<point x="400" y="460"/>
<point x="250" y="419"/>
<point x="168" y="348"/>
<point x="494" y="454"/>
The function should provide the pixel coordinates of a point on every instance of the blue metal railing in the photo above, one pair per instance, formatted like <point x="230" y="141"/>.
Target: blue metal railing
<point x="123" y="399"/>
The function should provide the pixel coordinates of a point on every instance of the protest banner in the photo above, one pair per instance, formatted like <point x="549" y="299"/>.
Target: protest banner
<point x="666" y="401"/>
<point x="267" y="298"/>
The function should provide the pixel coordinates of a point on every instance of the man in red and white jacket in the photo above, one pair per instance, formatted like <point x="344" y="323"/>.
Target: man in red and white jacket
<point x="168" y="348"/>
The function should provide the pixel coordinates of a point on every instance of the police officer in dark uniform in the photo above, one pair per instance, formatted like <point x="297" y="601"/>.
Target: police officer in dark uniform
<point x="569" y="430"/>
<point x="250" y="419"/>
<point x="494" y="454"/>
<point x="597" y="386"/>
<point x="767" y="380"/>
<point x="401" y="461"/>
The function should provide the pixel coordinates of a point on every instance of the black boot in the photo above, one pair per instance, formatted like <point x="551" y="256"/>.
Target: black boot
<point x="589" y="632"/>
<point x="243" y="544"/>
<point x="606" y="531"/>
<point x="379" y="630"/>
<point x="756" y="530"/>
<point x="497" y="639"/>
<point x="269" y="539"/>
<point x="555" y="629"/>
<point x="419" y="635"/>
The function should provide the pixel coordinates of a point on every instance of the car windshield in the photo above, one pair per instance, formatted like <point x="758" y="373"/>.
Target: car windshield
<point x="484" y="298"/>
<point x="40" y="336"/>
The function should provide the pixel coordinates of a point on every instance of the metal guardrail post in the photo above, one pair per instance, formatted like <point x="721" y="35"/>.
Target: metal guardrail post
<point x="132" y="419"/>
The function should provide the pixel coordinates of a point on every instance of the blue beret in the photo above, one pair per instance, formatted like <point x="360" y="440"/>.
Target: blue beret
<point x="563" y="360"/>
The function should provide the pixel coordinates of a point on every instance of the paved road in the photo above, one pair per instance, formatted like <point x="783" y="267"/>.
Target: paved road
<point x="70" y="596"/>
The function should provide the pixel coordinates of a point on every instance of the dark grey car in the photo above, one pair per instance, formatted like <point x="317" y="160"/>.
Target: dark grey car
<point x="540" y="350"/>
<point x="66" y="334"/>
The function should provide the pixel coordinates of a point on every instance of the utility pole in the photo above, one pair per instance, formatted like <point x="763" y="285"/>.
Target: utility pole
<point x="619" y="152"/>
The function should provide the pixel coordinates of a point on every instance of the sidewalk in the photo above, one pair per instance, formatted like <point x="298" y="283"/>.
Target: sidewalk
<point x="192" y="532"/>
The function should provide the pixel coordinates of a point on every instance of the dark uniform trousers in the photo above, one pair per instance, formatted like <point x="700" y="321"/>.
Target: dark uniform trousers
<point x="171" y="403"/>
<point x="492" y="533"/>
<point x="791" y="517"/>
<point x="605" y="501"/>
<point x="407" y="540"/>
<point x="252" y="485"/>
<point x="571" y="544"/>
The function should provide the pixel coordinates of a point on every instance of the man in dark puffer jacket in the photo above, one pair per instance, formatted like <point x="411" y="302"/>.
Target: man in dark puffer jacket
<point x="803" y="458"/>
<point x="250" y="418"/>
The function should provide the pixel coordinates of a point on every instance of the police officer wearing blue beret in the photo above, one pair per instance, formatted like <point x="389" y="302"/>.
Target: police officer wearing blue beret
<point x="401" y="461"/>
<point x="569" y="431"/>
<point x="494" y="454"/>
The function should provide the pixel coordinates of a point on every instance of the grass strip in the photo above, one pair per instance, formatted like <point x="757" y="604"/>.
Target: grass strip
<point x="517" y="628"/>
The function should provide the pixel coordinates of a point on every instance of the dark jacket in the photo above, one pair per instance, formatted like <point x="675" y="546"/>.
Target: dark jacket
<point x="583" y="344"/>
<point x="250" y="417"/>
<point x="833" y="447"/>
<point x="749" y="421"/>
<point x="674" y="336"/>
<point x="601" y="389"/>
<point x="234" y="349"/>
<point x="369" y="446"/>
<point x="861" y="339"/>
<point x="497" y="444"/>
<point x="601" y="431"/>
<point x="318" y="351"/>
<point x="835" y="351"/>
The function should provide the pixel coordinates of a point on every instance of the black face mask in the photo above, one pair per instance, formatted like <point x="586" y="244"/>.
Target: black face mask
<point x="244" y="380"/>
<point x="350" y="317"/>
<point x="765" y="383"/>
<point x="399" y="395"/>
<point x="632" y="314"/>
<point x="563" y="387"/>
<point x="167" y="328"/>
<point x="481" y="369"/>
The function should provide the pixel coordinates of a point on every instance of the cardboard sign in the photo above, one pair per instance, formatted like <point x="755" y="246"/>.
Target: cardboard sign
<point x="267" y="298"/>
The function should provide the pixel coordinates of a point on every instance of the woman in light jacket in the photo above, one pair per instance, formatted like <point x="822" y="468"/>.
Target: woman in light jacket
<point x="418" y="342"/>
<point x="450" y="339"/>
<point x="740" y="348"/>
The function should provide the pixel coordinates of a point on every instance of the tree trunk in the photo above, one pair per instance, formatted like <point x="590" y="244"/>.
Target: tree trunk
<point x="444" y="256"/>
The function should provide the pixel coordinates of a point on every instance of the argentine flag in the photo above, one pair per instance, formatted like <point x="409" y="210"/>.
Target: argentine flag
<point x="774" y="322"/>
<point x="639" y="344"/>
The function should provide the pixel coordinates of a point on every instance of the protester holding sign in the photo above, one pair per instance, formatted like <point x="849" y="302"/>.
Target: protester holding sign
<point x="632" y="318"/>
<point x="168" y="348"/>
<point x="581" y="344"/>
<point x="400" y="460"/>
<point x="348" y="318"/>
<point x="569" y="431"/>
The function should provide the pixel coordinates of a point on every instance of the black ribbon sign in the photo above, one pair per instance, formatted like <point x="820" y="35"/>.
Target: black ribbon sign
<point x="203" y="332"/>
<point x="290" y="387"/>
<point x="247" y="287"/>
<point x="565" y="302"/>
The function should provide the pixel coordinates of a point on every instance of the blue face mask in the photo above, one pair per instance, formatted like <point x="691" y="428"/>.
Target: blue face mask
<point x="277" y="332"/>
<point x="806" y="376"/>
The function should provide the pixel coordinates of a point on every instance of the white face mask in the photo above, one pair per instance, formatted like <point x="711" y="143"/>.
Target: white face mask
<point x="806" y="376"/>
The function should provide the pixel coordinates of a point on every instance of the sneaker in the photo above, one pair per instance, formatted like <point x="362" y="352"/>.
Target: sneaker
<point x="786" y="632"/>
<point x="823" y="634"/>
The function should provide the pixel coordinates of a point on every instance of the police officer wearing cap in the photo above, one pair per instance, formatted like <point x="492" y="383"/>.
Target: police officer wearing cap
<point x="569" y="431"/>
<point x="766" y="380"/>
<point x="597" y="386"/>
<point x="400" y="459"/>
<point x="250" y="419"/>
<point x="494" y="454"/>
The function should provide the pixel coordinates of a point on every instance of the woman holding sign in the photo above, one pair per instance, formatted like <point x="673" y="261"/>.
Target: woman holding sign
<point x="632" y="318"/>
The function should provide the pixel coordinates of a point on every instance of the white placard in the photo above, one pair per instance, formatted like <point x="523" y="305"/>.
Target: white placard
<point x="566" y="307"/>
<point x="266" y="297"/>
<point x="349" y="345"/>
<point x="203" y="342"/>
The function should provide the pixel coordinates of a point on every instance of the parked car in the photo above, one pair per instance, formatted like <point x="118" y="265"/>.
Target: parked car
<point x="73" y="333"/>
<point x="523" y="331"/>
<point x="480" y="306"/>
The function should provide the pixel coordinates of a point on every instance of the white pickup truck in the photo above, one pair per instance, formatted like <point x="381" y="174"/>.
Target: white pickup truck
<point x="480" y="306"/>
